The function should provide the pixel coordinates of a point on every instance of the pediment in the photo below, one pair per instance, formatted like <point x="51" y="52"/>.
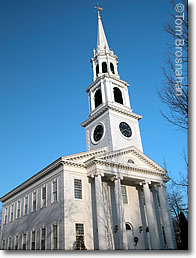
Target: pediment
<point x="129" y="157"/>
<point x="132" y="157"/>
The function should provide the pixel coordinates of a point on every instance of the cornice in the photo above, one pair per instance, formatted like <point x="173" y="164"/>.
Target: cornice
<point x="86" y="154"/>
<point x="32" y="179"/>
<point x="106" y="107"/>
<point x="123" y="166"/>
<point x="105" y="75"/>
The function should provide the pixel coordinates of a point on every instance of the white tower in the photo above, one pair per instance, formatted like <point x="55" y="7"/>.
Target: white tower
<point x="111" y="122"/>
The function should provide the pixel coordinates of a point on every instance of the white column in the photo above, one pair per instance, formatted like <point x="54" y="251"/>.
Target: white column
<point x="101" y="219"/>
<point x="164" y="209"/>
<point x="120" y="214"/>
<point x="94" y="70"/>
<point x="92" y="100"/>
<point x="151" y="217"/>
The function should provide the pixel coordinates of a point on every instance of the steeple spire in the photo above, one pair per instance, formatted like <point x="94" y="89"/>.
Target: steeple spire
<point x="102" y="43"/>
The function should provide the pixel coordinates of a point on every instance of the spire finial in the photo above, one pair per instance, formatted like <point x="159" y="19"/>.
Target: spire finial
<point x="98" y="8"/>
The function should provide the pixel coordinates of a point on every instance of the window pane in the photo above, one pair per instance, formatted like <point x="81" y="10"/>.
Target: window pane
<point x="43" y="236"/>
<point x="78" y="188"/>
<point x="44" y="193"/>
<point x="54" y="186"/>
<point x="55" y="191"/>
<point x="124" y="194"/>
<point x="33" y="240"/>
<point x="55" y="237"/>
<point x="80" y="237"/>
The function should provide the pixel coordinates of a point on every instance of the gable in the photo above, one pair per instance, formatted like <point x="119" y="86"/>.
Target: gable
<point x="132" y="157"/>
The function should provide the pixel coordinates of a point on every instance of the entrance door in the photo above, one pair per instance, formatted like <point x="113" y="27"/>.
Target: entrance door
<point x="130" y="236"/>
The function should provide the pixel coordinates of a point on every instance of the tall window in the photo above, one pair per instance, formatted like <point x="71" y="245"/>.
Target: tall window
<point x="44" y="196"/>
<point x="9" y="243"/>
<point x="98" y="98"/>
<point x="34" y="201"/>
<point x="112" y="68"/>
<point x="80" y="236"/>
<point x="26" y="205"/>
<point x="6" y="215"/>
<point x="104" y="67"/>
<point x="124" y="194"/>
<point x="43" y="238"/>
<point x="97" y="69"/>
<point x="12" y="213"/>
<point x="54" y="191"/>
<point x="33" y="240"/>
<point x="3" y="244"/>
<point x="118" y="95"/>
<point x="77" y="189"/>
<point x="55" y="237"/>
<point x="18" y="209"/>
<point x="16" y="243"/>
<point x="24" y="241"/>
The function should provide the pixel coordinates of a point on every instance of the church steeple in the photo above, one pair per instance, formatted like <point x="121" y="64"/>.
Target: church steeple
<point x="111" y="122"/>
<point x="104" y="61"/>
<point x="102" y="43"/>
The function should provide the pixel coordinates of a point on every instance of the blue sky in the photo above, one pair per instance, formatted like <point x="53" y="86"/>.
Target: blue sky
<point x="45" y="68"/>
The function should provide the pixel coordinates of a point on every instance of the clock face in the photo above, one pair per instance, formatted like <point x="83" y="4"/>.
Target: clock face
<point x="125" y="129"/>
<point x="98" y="133"/>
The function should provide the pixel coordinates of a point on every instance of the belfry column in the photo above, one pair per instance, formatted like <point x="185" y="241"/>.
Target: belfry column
<point x="164" y="210"/>
<point x="120" y="213"/>
<point x="101" y="219"/>
<point x="154" y="238"/>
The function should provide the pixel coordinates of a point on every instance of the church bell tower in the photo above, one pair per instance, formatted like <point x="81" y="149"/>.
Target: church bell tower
<point x="111" y="122"/>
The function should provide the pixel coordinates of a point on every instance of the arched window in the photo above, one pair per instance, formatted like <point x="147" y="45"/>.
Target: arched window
<point x="98" y="98"/>
<point x="112" y="68"/>
<point x="104" y="67"/>
<point x="118" y="95"/>
<point x="97" y="69"/>
<point x="128" y="226"/>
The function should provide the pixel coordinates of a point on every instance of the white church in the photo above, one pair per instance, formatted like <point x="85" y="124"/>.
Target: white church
<point x="111" y="197"/>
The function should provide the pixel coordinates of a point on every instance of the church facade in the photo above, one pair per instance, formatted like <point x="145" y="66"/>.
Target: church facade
<point x="110" y="197"/>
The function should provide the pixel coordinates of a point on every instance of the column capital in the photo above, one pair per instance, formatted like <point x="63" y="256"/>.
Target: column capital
<point x="145" y="182"/>
<point x="95" y="174"/>
<point x="116" y="177"/>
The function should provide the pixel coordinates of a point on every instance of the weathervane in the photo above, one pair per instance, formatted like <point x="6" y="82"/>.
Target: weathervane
<point x="98" y="8"/>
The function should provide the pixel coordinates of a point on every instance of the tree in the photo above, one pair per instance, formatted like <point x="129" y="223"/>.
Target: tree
<point x="174" y="92"/>
<point x="178" y="210"/>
